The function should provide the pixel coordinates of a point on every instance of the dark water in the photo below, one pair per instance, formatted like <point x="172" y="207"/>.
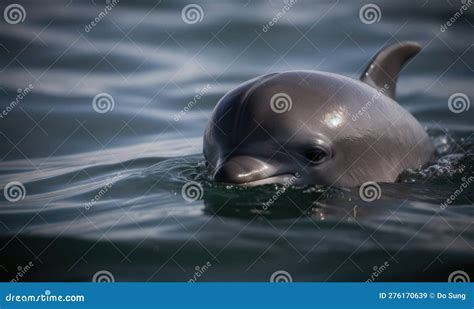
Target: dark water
<point x="134" y="160"/>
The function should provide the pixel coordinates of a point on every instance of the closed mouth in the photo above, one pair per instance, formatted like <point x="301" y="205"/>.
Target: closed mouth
<point x="276" y="179"/>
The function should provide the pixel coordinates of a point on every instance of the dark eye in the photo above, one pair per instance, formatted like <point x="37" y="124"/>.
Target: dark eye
<point x="316" y="155"/>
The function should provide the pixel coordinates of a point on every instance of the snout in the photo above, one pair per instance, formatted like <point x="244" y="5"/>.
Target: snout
<point x="251" y="171"/>
<point x="243" y="169"/>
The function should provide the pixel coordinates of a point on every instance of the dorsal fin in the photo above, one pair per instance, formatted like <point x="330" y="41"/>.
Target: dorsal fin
<point x="384" y="68"/>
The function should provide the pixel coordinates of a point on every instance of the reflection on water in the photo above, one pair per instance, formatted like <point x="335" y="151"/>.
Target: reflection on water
<point x="103" y="183"/>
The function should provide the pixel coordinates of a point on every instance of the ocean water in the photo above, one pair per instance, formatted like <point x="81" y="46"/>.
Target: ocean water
<point x="103" y="113"/>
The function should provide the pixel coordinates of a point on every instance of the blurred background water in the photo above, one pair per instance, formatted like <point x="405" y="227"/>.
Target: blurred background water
<point x="100" y="181"/>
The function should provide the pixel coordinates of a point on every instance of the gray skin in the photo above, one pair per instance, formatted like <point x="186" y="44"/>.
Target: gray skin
<point x="338" y="131"/>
